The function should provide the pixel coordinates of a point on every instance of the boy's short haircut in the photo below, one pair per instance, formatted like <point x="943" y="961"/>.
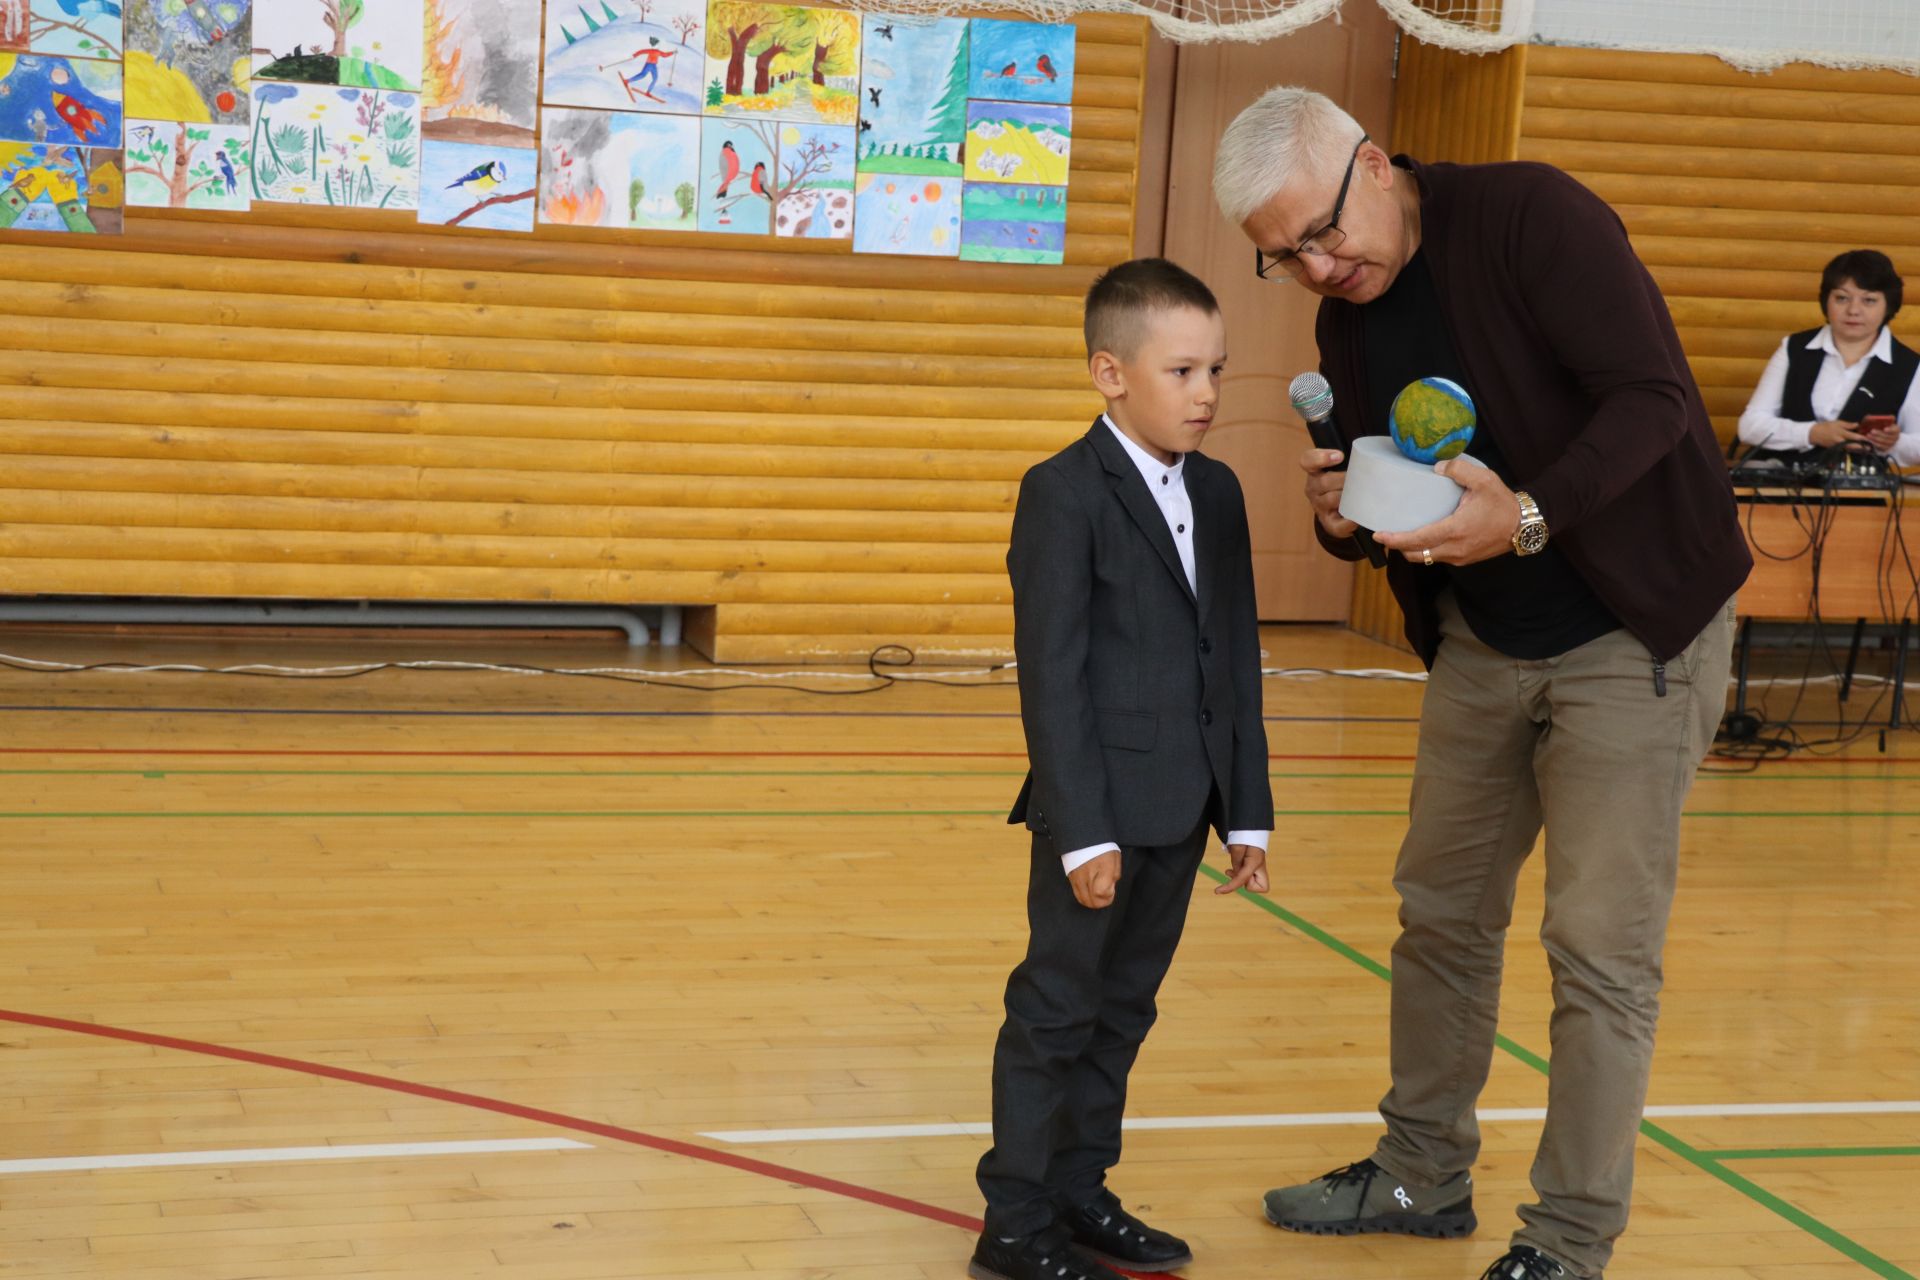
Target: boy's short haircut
<point x="1121" y="299"/>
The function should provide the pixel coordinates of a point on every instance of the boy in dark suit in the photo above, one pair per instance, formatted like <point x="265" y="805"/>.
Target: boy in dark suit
<point x="1139" y="661"/>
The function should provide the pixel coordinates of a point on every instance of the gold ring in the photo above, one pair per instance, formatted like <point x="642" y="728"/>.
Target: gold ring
<point x="1426" y="558"/>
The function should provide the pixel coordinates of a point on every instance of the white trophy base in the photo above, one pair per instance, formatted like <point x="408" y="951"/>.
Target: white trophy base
<point x="1388" y="492"/>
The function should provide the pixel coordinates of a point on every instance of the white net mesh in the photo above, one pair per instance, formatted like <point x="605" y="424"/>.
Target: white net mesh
<point x="1757" y="35"/>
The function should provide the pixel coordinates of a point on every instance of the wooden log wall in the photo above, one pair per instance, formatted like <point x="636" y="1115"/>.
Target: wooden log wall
<point x="311" y="404"/>
<point x="1736" y="188"/>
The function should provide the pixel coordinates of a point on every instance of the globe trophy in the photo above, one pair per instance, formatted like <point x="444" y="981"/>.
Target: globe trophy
<point x="1391" y="484"/>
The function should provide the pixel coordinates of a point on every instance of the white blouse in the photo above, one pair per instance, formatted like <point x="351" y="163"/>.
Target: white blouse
<point x="1763" y="427"/>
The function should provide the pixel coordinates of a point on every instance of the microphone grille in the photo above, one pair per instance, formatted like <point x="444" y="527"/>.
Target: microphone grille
<point x="1312" y="397"/>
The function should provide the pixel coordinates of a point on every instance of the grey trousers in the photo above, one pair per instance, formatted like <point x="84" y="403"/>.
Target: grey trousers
<point x="1583" y="745"/>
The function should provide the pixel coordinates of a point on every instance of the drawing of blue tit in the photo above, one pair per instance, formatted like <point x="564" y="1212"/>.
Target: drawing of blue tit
<point x="482" y="177"/>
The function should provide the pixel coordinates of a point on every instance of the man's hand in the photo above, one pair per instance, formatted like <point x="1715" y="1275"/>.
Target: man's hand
<point x="1249" y="869"/>
<point x="1093" y="881"/>
<point x="1323" y="490"/>
<point x="1480" y="528"/>
<point x="1824" y="435"/>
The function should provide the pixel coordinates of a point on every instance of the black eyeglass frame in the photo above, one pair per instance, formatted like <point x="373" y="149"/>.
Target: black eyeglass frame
<point x="1293" y="263"/>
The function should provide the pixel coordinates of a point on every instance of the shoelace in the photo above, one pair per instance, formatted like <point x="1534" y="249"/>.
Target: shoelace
<point x="1522" y="1263"/>
<point x="1361" y="1171"/>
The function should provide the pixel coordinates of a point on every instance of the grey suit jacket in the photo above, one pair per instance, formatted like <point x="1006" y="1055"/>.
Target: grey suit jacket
<point x="1140" y="697"/>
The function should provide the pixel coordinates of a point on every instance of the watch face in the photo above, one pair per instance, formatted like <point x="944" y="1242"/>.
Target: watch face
<point x="1530" y="538"/>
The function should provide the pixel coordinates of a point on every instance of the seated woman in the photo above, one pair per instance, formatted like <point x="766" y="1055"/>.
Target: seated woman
<point x="1823" y="384"/>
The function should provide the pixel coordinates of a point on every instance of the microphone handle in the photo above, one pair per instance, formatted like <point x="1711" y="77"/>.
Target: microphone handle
<point x="1327" y="436"/>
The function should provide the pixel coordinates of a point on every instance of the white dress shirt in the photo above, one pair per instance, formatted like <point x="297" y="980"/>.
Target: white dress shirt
<point x="1763" y="427"/>
<point x="1168" y="486"/>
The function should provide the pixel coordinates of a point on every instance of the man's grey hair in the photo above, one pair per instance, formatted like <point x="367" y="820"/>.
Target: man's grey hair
<point x="1287" y="133"/>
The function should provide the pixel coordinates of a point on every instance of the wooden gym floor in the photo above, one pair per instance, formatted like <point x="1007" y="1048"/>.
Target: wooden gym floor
<point x="577" y="979"/>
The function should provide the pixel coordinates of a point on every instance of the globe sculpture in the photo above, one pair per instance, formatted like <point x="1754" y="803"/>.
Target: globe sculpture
<point x="1432" y="420"/>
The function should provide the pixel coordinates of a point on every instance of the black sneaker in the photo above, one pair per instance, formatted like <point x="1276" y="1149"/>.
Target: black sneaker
<point x="1364" y="1199"/>
<point x="1524" y="1262"/>
<point x="1049" y="1255"/>
<point x="1107" y="1231"/>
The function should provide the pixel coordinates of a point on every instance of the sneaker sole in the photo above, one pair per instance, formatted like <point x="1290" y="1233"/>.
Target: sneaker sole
<point x="1427" y="1226"/>
<point x="1151" y="1269"/>
<point x="979" y="1272"/>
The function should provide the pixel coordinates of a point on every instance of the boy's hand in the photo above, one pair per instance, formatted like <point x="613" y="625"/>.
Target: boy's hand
<point x="1249" y="869"/>
<point x="1093" y="881"/>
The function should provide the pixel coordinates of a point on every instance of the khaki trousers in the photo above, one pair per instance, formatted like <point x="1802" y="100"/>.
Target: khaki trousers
<point x="1583" y="745"/>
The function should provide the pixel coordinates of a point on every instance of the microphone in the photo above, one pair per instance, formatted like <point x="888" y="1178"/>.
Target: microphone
<point x="1312" y="398"/>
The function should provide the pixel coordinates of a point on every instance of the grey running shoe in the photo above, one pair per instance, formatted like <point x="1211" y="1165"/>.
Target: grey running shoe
<point x="1364" y="1199"/>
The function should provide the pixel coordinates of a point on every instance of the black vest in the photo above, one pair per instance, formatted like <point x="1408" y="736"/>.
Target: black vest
<point x="1882" y="389"/>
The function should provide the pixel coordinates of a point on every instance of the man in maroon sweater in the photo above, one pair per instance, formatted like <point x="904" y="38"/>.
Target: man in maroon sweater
<point x="1576" y="614"/>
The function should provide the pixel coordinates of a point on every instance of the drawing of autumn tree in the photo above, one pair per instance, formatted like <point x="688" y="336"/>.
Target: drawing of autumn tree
<point x="738" y="30"/>
<point x="836" y="41"/>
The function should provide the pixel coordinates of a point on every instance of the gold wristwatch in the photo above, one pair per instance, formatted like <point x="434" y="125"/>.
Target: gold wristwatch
<point x="1531" y="536"/>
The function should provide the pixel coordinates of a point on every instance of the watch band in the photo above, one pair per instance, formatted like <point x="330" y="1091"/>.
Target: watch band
<point x="1531" y="536"/>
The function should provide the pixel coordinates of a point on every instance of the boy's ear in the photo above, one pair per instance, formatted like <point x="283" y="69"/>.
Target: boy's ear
<point x="1108" y="378"/>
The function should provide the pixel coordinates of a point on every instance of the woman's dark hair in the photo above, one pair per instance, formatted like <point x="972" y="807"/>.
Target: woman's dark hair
<point x="1869" y="269"/>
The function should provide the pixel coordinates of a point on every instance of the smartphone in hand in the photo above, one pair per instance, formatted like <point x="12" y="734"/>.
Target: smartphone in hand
<point x="1880" y="429"/>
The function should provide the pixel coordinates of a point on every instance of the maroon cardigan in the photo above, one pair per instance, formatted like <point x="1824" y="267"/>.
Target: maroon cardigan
<point x="1568" y="347"/>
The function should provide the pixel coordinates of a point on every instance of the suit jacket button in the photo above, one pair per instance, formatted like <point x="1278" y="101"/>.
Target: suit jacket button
<point x="1206" y="644"/>
<point x="1206" y="716"/>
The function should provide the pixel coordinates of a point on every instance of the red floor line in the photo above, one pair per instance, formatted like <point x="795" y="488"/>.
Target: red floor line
<point x="670" y="1146"/>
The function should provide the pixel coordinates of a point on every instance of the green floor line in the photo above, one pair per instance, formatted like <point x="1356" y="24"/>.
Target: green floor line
<point x="1701" y="1160"/>
<point x="1808" y="1153"/>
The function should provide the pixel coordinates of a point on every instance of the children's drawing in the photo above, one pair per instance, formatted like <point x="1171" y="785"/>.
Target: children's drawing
<point x="14" y="15"/>
<point x="626" y="55"/>
<point x="813" y="182"/>
<point x="1021" y="61"/>
<point x="782" y="62"/>
<point x="913" y="86"/>
<point x="901" y="213"/>
<point x="321" y="144"/>
<point x="76" y="28"/>
<point x="1019" y="142"/>
<point x="376" y="44"/>
<point x="46" y="100"/>
<point x="737" y="177"/>
<point x="74" y="190"/>
<point x="189" y="60"/>
<point x="619" y="169"/>
<point x="181" y="165"/>
<point x="474" y="184"/>
<point x="480" y="74"/>
<point x="1013" y="222"/>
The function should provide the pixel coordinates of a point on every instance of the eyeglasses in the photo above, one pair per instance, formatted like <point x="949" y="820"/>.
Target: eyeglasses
<point x="1325" y="240"/>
